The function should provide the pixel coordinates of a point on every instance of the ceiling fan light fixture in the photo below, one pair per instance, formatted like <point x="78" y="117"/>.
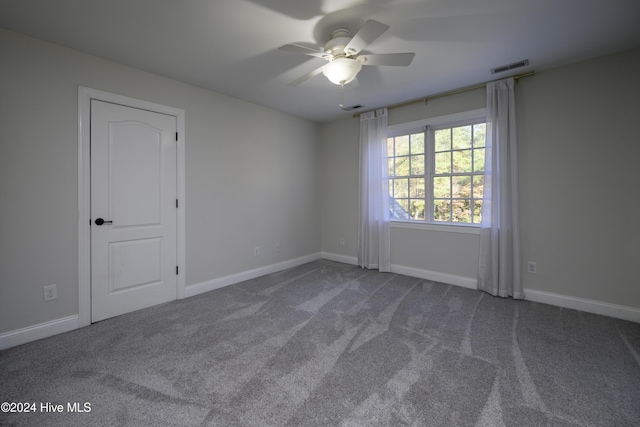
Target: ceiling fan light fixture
<point x="341" y="71"/>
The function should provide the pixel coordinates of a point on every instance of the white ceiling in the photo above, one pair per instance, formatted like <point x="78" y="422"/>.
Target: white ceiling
<point x="231" y="46"/>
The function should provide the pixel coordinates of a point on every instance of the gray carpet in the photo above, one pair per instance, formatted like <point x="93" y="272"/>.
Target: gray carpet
<point x="329" y="344"/>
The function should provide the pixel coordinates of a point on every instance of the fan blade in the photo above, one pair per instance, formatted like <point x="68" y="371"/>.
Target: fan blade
<point x="392" y="59"/>
<point x="295" y="48"/>
<point x="307" y="76"/>
<point x="370" y="31"/>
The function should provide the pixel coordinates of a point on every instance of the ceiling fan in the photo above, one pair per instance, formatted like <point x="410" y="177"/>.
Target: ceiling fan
<point x="342" y="53"/>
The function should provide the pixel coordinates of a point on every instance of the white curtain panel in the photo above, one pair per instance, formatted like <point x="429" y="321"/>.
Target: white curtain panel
<point x="499" y="261"/>
<point x="373" y="238"/>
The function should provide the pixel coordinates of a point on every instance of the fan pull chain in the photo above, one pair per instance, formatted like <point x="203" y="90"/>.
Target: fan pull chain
<point x="341" y="105"/>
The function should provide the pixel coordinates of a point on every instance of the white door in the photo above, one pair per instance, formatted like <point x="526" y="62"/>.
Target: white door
<point x="133" y="209"/>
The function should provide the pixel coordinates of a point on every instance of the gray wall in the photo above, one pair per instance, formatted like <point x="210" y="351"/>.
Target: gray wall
<point x="339" y="186"/>
<point x="579" y="178"/>
<point x="251" y="176"/>
<point x="579" y="147"/>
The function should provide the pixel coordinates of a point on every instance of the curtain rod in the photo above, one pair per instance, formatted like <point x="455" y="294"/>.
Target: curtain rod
<point x="425" y="99"/>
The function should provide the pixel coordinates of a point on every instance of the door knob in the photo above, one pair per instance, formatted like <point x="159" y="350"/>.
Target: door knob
<point x="101" y="221"/>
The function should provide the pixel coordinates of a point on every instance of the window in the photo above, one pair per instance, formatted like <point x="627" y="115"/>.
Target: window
<point x="437" y="174"/>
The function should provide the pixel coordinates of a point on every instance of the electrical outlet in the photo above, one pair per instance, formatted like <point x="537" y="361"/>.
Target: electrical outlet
<point x="256" y="251"/>
<point x="50" y="292"/>
<point x="532" y="267"/>
<point x="342" y="241"/>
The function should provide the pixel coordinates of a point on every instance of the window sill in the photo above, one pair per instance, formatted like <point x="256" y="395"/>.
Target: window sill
<point x="430" y="226"/>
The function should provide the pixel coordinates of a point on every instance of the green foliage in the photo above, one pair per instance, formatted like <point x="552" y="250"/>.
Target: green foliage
<point x="461" y="137"/>
<point x="479" y="134"/>
<point x="402" y="145"/>
<point x="461" y="186"/>
<point x="417" y="165"/>
<point x="478" y="186"/>
<point x="417" y="188"/>
<point x="400" y="188"/>
<point x="442" y="186"/>
<point x="417" y="209"/>
<point x="443" y="162"/>
<point x="478" y="160"/>
<point x="402" y="166"/>
<point x="462" y="161"/>
<point x="442" y="210"/>
<point x="443" y="140"/>
<point x="417" y="143"/>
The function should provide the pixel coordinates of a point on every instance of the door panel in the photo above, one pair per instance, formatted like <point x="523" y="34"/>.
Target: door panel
<point x="135" y="170"/>
<point x="133" y="185"/>
<point x="135" y="263"/>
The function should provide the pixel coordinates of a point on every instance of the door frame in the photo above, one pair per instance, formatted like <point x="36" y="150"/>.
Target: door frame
<point x="85" y="95"/>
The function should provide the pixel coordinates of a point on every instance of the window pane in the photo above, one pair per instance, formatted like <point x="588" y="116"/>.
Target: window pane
<point x="400" y="188"/>
<point x="391" y="185"/>
<point x="402" y="166"/>
<point x="390" y="163"/>
<point x="417" y="143"/>
<point x="441" y="210"/>
<point x="479" y="134"/>
<point x="477" y="211"/>
<point x="403" y="204"/>
<point x="443" y="139"/>
<point x="462" y="210"/>
<point x="461" y="137"/>
<point x="478" y="186"/>
<point x="462" y="161"/>
<point x="441" y="186"/>
<point x="417" y="209"/>
<point x="443" y="162"/>
<point x="416" y="188"/>
<point x="417" y="165"/>
<point x="402" y="145"/>
<point x="389" y="147"/>
<point x="461" y="186"/>
<point x="396" y="211"/>
<point x="478" y="160"/>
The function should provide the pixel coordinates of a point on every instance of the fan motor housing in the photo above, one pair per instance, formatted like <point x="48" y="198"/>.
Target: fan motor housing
<point x="339" y="40"/>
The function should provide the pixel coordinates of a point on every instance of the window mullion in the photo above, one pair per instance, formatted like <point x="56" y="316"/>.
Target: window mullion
<point x="451" y="175"/>
<point x="473" y="152"/>
<point x="430" y="163"/>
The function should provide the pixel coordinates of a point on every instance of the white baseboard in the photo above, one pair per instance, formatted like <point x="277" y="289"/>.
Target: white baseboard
<point x="345" y="259"/>
<point x="590" y="306"/>
<point x="210" y="285"/>
<point x="36" y="332"/>
<point x="449" y="279"/>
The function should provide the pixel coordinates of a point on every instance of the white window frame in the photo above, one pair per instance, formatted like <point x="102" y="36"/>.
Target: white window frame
<point x="428" y="126"/>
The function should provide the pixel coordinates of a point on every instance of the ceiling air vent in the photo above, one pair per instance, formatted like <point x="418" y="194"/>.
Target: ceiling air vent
<point x="518" y="64"/>
<point x="353" y="107"/>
